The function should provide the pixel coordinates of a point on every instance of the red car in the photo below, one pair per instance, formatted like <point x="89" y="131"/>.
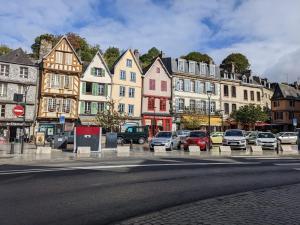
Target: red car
<point x="198" y="138"/>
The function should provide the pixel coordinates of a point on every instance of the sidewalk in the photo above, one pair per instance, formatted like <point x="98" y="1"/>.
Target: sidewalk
<point x="267" y="206"/>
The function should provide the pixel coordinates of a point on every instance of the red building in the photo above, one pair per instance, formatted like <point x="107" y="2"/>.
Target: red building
<point x="156" y="97"/>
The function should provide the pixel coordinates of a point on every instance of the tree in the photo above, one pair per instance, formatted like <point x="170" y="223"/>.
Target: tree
<point x="240" y="62"/>
<point x="111" y="55"/>
<point x="110" y="118"/>
<point x="4" y="49"/>
<point x="248" y="115"/>
<point x="147" y="58"/>
<point x="198" y="57"/>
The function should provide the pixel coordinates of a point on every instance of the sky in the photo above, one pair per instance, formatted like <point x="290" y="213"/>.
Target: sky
<point x="266" y="31"/>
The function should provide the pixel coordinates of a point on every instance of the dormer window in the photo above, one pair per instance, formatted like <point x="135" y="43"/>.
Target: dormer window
<point x="250" y="81"/>
<point x="203" y="68"/>
<point x="212" y="70"/>
<point x="192" y="67"/>
<point x="244" y="79"/>
<point x="225" y="75"/>
<point x="180" y="65"/>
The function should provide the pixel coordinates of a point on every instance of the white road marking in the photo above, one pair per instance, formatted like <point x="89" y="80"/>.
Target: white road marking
<point x="287" y="164"/>
<point x="5" y="172"/>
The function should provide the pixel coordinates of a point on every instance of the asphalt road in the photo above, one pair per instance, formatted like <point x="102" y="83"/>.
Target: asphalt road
<point x="110" y="191"/>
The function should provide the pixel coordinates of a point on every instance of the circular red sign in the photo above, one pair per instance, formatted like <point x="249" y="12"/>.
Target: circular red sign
<point x="18" y="110"/>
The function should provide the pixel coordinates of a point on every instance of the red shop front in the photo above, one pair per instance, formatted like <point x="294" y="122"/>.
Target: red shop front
<point x="157" y="123"/>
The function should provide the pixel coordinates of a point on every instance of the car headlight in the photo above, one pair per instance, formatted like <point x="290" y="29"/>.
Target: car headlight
<point x="168" y="143"/>
<point x="243" y="141"/>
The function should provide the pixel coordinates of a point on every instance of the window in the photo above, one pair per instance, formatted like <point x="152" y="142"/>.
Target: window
<point x="151" y="103"/>
<point x="278" y="115"/>
<point x="233" y="91"/>
<point x="181" y="104"/>
<point x="122" y="75"/>
<point x="3" y="89"/>
<point x="99" y="72"/>
<point x="202" y="87"/>
<point x="226" y="90"/>
<point x="21" y="89"/>
<point x="192" y="67"/>
<point x="23" y="72"/>
<point x="66" y="105"/>
<point x="59" y="57"/>
<point x="245" y="95"/>
<point x="226" y="108"/>
<point x="244" y="79"/>
<point x="212" y="70"/>
<point x="129" y="63"/>
<point x="181" y="85"/>
<point x="122" y="91"/>
<point x="203" y="106"/>
<point x="157" y="70"/>
<point x="2" y="110"/>
<point x="292" y="103"/>
<point x="68" y="58"/>
<point x="233" y="107"/>
<point x="180" y="65"/>
<point x="131" y="92"/>
<point x="151" y="84"/>
<point x="51" y="104"/>
<point x="67" y="82"/>
<point x="54" y="80"/>
<point x="121" y="107"/>
<point x="87" y="107"/>
<point x="130" y="110"/>
<point x="163" y="85"/>
<point x="212" y="107"/>
<point x="192" y="86"/>
<point x="213" y="88"/>
<point x="132" y="76"/>
<point x="4" y="70"/>
<point x="252" y="95"/>
<point x="162" y="105"/>
<point x="203" y="68"/>
<point x="276" y="104"/>
<point x="88" y="88"/>
<point x="101" y="106"/>
<point x="192" y="104"/>
<point x="258" y="96"/>
<point x="101" y="89"/>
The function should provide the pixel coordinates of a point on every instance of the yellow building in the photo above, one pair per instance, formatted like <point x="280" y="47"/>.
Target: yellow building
<point x="127" y="85"/>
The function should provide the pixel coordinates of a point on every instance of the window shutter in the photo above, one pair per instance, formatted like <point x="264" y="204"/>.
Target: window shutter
<point x="197" y="86"/>
<point x="177" y="104"/>
<point x="106" y="90"/>
<point x="201" y="88"/>
<point x="207" y="86"/>
<point x="82" y="107"/>
<point x="186" y="85"/>
<point x="70" y="82"/>
<point x="95" y="89"/>
<point x="102" y="72"/>
<point x="61" y="81"/>
<point x="217" y="89"/>
<point x="94" y="108"/>
<point x="83" y="87"/>
<point x="93" y="71"/>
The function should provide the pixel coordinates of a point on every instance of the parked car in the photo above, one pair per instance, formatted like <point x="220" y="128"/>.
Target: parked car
<point x="136" y="134"/>
<point x="165" y="138"/>
<point x="235" y="139"/>
<point x="266" y="140"/>
<point x="217" y="137"/>
<point x="251" y="137"/>
<point x="198" y="138"/>
<point x="288" y="138"/>
<point x="181" y="135"/>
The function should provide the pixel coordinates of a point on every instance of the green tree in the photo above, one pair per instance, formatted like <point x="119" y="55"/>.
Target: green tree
<point x="248" y="115"/>
<point x="110" y="118"/>
<point x="240" y="62"/>
<point x="4" y="49"/>
<point x="35" y="47"/>
<point x="147" y="58"/>
<point x="198" y="57"/>
<point x="111" y="55"/>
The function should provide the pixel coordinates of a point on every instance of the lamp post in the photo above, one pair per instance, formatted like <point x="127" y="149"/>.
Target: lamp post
<point x="209" y="93"/>
<point x="25" y="87"/>
<point x="154" y="124"/>
<point x="222" y="122"/>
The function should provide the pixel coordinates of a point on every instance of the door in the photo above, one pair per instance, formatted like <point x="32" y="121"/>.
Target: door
<point x="12" y="133"/>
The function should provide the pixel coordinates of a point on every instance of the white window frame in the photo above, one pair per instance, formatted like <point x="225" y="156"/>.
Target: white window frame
<point x="192" y="86"/>
<point x="131" y="93"/>
<point x="212" y="70"/>
<point x="98" y="71"/>
<point x="203" y="68"/>
<point x="100" y="107"/>
<point x="122" y="90"/>
<point x="55" y="80"/>
<point x="101" y="89"/>
<point x="59" y="57"/>
<point x="121" y="106"/>
<point x="4" y="70"/>
<point x="24" y="72"/>
<point x="129" y="63"/>
<point x="180" y="65"/>
<point x="133" y="76"/>
<point x="192" y="67"/>
<point x="130" y="109"/>
<point x="2" y="110"/>
<point x="68" y="58"/>
<point x="122" y="75"/>
<point x="181" y="103"/>
<point x="66" y="107"/>
<point x="3" y="89"/>
<point x="87" y="107"/>
<point x="181" y="85"/>
<point x="51" y="105"/>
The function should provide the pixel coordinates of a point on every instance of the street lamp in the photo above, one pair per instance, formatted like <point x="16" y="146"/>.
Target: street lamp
<point x="209" y="93"/>
<point x="25" y="88"/>
<point x="154" y="124"/>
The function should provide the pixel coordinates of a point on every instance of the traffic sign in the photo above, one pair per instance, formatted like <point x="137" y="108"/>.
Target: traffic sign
<point x="62" y="119"/>
<point x="18" y="110"/>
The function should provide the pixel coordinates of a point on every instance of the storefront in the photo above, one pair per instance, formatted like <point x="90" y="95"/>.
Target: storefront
<point x="53" y="128"/>
<point x="12" y="131"/>
<point x="200" y="122"/>
<point x="157" y="123"/>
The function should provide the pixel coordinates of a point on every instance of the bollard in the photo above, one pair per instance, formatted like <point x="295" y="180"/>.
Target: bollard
<point x="12" y="147"/>
<point x="131" y="144"/>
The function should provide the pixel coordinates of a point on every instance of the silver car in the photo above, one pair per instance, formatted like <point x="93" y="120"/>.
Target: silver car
<point x="288" y="138"/>
<point x="234" y="138"/>
<point x="164" y="138"/>
<point x="266" y="140"/>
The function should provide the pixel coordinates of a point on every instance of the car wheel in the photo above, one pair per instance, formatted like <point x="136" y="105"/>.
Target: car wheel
<point x="141" y="140"/>
<point x="171" y="147"/>
<point x="120" y="140"/>
<point x="206" y="147"/>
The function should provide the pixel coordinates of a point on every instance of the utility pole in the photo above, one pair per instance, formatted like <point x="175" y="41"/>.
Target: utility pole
<point x="25" y="87"/>
<point x="209" y="93"/>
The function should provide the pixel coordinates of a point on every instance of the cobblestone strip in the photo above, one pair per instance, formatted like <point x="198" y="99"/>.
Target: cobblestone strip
<point x="276" y="206"/>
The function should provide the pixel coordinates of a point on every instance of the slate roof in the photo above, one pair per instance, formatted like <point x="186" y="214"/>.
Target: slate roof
<point x="288" y="91"/>
<point x="17" y="56"/>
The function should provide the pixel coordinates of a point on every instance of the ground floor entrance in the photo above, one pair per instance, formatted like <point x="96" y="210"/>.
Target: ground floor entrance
<point x="12" y="132"/>
<point x="157" y="123"/>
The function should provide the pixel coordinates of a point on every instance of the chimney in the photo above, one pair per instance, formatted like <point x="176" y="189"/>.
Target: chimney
<point x="45" y="48"/>
<point x="136" y="54"/>
<point x="232" y="69"/>
<point x="162" y="54"/>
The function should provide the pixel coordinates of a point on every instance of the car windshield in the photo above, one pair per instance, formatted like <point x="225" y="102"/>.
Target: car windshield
<point x="265" y="135"/>
<point x="164" y="135"/>
<point x="231" y="133"/>
<point x="197" y="134"/>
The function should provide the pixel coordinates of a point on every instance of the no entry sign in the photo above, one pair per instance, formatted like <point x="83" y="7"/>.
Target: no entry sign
<point x="18" y="110"/>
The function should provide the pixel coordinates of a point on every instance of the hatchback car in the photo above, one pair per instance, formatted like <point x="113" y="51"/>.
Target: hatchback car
<point x="198" y="138"/>
<point x="266" y="140"/>
<point x="251" y="137"/>
<point x="216" y="137"/>
<point x="235" y="139"/>
<point x="288" y="138"/>
<point x="164" y="138"/>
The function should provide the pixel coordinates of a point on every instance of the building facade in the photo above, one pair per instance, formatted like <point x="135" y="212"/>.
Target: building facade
<point x="157" y="93"/>
<point x="18" y="73"/>
<point x="95" y="90"/>
<point x="127" y="86"/>
<point x="190" y="83"/>
<point x="61" y="69"/>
